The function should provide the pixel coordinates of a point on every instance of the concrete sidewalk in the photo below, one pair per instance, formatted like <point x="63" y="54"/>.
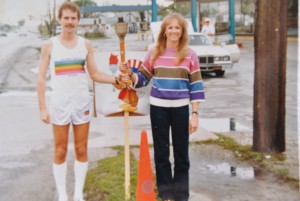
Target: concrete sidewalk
<point x="112" y="131"/>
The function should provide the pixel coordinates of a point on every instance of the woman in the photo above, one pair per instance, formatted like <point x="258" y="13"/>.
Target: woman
<point x="177" y="82"/>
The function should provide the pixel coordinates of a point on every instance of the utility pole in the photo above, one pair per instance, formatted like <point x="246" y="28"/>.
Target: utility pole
<point x="270" y="44"/>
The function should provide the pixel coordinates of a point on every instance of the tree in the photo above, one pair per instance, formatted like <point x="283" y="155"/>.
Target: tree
<point x="270" y="76"/>
<point x="50" y="20"/>
<point x="81" y="3"/>
<point x="180" y="7"/>
<point x="293" y="8"/>
<point x="85" y="3"/>
<point x="247" y="8"/>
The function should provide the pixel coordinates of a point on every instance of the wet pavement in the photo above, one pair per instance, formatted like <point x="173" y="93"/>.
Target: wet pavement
<point x="26" y="145"/>
<point x="221" y="177"/>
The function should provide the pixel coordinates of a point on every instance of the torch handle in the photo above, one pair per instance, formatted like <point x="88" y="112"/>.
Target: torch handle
<point x="127" y="156"/>
<point x="122" y="50"/>
<point x="126" y="129"/>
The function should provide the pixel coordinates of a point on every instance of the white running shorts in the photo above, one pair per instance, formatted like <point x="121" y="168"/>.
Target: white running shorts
<point x="68" y="108"/>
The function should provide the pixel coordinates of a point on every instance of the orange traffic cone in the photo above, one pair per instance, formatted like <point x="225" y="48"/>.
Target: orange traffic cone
<point x="145" y="185"/>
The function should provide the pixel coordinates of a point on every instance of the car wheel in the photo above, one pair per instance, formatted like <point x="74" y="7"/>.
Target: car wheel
<point x="220" y="73"/>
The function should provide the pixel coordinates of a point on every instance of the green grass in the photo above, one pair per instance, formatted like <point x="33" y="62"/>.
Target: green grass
<point x="93" y="36"/>
<point x="244" y="152"/>
<point x="106" y="182"/>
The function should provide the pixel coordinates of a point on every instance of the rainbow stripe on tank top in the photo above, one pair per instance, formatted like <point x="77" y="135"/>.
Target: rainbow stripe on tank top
<point x="69" y="67"/>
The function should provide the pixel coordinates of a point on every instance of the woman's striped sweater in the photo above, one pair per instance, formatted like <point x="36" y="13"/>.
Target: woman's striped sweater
<point x="173" y="85"/>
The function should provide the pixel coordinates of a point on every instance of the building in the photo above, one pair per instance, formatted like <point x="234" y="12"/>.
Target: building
<point x="218" y="12"/>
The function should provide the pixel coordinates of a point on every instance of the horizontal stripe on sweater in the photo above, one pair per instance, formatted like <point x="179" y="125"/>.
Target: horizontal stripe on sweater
<point x="172" y="84"/>
<point x="169" y="94"/>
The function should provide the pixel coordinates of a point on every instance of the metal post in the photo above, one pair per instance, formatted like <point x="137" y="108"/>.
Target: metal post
<point x="154" y="11"/>
<point x="194" y="14"/>
<point x="232" y="20"/>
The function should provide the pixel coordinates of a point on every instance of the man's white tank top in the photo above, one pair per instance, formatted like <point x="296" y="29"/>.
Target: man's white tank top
<point x="67" y="67"/>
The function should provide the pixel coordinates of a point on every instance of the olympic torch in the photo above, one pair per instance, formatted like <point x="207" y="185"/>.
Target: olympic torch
<point x="121" y="30"/>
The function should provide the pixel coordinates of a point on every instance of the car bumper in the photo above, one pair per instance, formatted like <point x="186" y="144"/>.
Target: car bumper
<point x="215" y="67"/>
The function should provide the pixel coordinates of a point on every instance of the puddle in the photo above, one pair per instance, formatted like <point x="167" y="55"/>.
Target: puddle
<point x="222" y="125"/>
<point x="243" y="172"/>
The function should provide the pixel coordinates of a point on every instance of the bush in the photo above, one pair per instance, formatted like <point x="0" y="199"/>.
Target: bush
<point x="94" y="35"/>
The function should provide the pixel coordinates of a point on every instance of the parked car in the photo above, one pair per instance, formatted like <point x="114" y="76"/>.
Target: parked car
<point x="212" y="58"/>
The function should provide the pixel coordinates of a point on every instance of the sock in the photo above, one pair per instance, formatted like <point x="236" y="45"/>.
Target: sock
<point x="80" y="170"/>
<point x="60" y="176"/>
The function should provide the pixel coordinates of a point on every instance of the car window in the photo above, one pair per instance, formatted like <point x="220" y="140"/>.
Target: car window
<point x="196" y="40"/>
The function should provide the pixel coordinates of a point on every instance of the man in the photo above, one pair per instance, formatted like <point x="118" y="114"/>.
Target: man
<point x="69" y="58"/>
<point x="208" y="30"/>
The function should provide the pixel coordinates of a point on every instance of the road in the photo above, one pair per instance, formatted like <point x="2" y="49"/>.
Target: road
<point x="11" y="49"/>
<point x="26" y="145"/>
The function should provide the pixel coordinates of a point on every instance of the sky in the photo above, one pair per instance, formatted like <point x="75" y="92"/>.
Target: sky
<point x="11" y="11"/>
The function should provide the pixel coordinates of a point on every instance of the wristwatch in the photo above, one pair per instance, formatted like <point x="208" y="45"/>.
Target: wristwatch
<point x="194" y="112"/>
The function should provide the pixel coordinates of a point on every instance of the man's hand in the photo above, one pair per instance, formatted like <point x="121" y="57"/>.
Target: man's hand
<point x="123" y="80"/>
<point x="44" y="116"/>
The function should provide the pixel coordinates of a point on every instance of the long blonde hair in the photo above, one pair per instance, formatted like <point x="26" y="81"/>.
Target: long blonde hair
<point x="182" y="48"/>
